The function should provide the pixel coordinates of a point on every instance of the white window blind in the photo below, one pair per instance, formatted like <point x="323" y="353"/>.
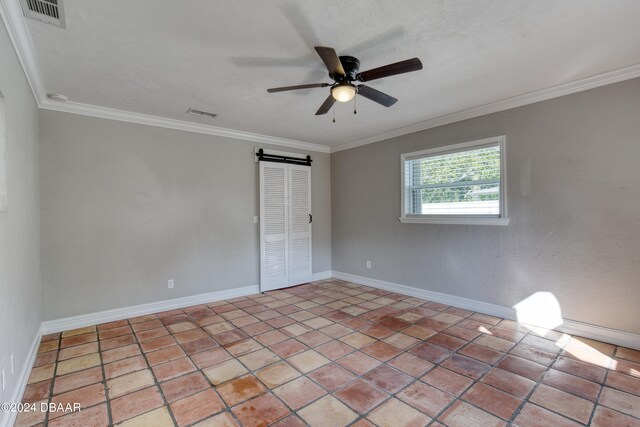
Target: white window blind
<point x="459" y="181"/>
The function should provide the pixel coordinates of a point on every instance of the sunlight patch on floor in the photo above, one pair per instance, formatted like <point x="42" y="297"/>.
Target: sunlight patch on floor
<point x="484" y="330"/>
<point x="587" y="351"/>
<point x="541" y="313"/>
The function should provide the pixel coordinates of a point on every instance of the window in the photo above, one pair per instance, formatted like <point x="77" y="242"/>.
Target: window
<point x="457" y="184"/>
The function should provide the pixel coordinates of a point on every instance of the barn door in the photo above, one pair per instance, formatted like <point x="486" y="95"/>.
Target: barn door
<point x="274" y="245"/>
<point x="299" y="224"/>
<point x="285" y="225"/>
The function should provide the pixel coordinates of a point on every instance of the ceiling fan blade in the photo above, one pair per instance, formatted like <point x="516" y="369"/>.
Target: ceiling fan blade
<point x="376" y="96"/>
<point x="401" y="67"/>
<point x="326" y="105"/>
<point x="307" y="86"/>
<point x="331" y="60"/>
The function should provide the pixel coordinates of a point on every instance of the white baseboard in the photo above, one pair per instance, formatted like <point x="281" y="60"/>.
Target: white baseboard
<point x="21" y="384"/>
<point x="323" y="275"/>
<point x="572" y="327"/>
<point x="601" y="333"/>
<point x="83" y="320"/>
<point x="64" y="324"/>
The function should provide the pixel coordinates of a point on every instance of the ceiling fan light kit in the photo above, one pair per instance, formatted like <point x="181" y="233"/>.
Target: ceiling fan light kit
<point x="344" y="70"/>
<point x="343" y="92"/>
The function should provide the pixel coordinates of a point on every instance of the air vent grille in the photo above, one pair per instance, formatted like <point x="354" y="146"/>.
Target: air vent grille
<point x="48" y="11"/>
<point x="200" y="113"/>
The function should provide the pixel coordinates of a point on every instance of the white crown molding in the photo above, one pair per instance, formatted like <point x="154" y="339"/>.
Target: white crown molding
<point x="598" y="80"/>
<point x="21" y="383"/>
<point x="14" y="20"/>
<point x="90" y="319"/>
<point x="149" y="120"/>
<point x="572" y="327"/>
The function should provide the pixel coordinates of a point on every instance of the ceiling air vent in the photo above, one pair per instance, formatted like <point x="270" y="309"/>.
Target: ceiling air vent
<point x="200" y="113"/>
<point x="47" y="11"/>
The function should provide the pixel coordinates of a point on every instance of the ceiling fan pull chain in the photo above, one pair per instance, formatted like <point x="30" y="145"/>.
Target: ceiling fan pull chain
<point x="333" y="110"/>
<point x="354" y="105"/>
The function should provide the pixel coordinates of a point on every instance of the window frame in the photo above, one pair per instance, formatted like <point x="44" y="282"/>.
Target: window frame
<point x="501" y="219"/>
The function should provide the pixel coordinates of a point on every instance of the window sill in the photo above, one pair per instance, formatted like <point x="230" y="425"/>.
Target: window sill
<point x="455" y="220"/>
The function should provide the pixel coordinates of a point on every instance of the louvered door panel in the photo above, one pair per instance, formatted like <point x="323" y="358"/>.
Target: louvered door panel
<point x="274" y="219"/>
<point x="299" y="224"/>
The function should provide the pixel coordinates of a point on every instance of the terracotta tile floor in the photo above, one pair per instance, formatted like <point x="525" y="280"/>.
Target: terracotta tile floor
<point x="331" y="353"/>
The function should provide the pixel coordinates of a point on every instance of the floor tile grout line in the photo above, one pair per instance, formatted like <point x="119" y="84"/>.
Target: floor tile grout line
<point x="390" y="396"/>
<point x="478" y="380"/>
<point x="228" y="408"/>
<point x="343" y="386"/>
<point x="104" y="378"/>
<point x="451" y="353"/>
<point x="369" y="319"/>
<point x="551" y="366"/>
<point x="558" y="354"/>
<point x="302" y="374"/>
<point x="327" y="392"/>
<point x="156" y="383"/>
<point x="53" y="380"/>
<point x="271" y="391"/>
<point x="474" y="381"/>
<point x="436" y="365"/>
<point x="540" y="381"/>
<point x="405" y="350"/>
<point x="603" y="385"/>
<point x="530" y="333"/>
<point x="55" y="369"/>
<point x="535" y="387"/>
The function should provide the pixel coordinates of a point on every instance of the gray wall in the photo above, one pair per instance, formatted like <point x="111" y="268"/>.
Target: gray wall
<point x="125" y="207"/>
<point x="573" y="199"/>
<point x="20" y="286"/>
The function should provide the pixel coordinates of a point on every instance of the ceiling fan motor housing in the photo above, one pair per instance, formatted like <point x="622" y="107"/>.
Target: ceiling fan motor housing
<point x="351" y="68"/>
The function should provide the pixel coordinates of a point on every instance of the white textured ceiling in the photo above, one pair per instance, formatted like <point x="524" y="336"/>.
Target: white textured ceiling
<point x="161" y="57"/>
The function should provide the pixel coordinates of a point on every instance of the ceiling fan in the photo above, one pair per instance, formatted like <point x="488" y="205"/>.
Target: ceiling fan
<point x="345" y="70"/>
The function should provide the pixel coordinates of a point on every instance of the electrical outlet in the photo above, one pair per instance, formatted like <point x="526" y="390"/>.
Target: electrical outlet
<point x="170" y="282"/>
<point x="12" y="368"/>
<point x="4" y="378"/>
<point x="368" y="264"/>
<point x="255" y="219"/>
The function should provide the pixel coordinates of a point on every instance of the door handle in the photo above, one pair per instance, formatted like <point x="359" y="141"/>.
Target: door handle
<point x="310" y="218"/>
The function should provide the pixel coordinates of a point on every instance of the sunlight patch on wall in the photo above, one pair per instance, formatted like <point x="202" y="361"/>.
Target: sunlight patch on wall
<point x="540" y="309"/>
